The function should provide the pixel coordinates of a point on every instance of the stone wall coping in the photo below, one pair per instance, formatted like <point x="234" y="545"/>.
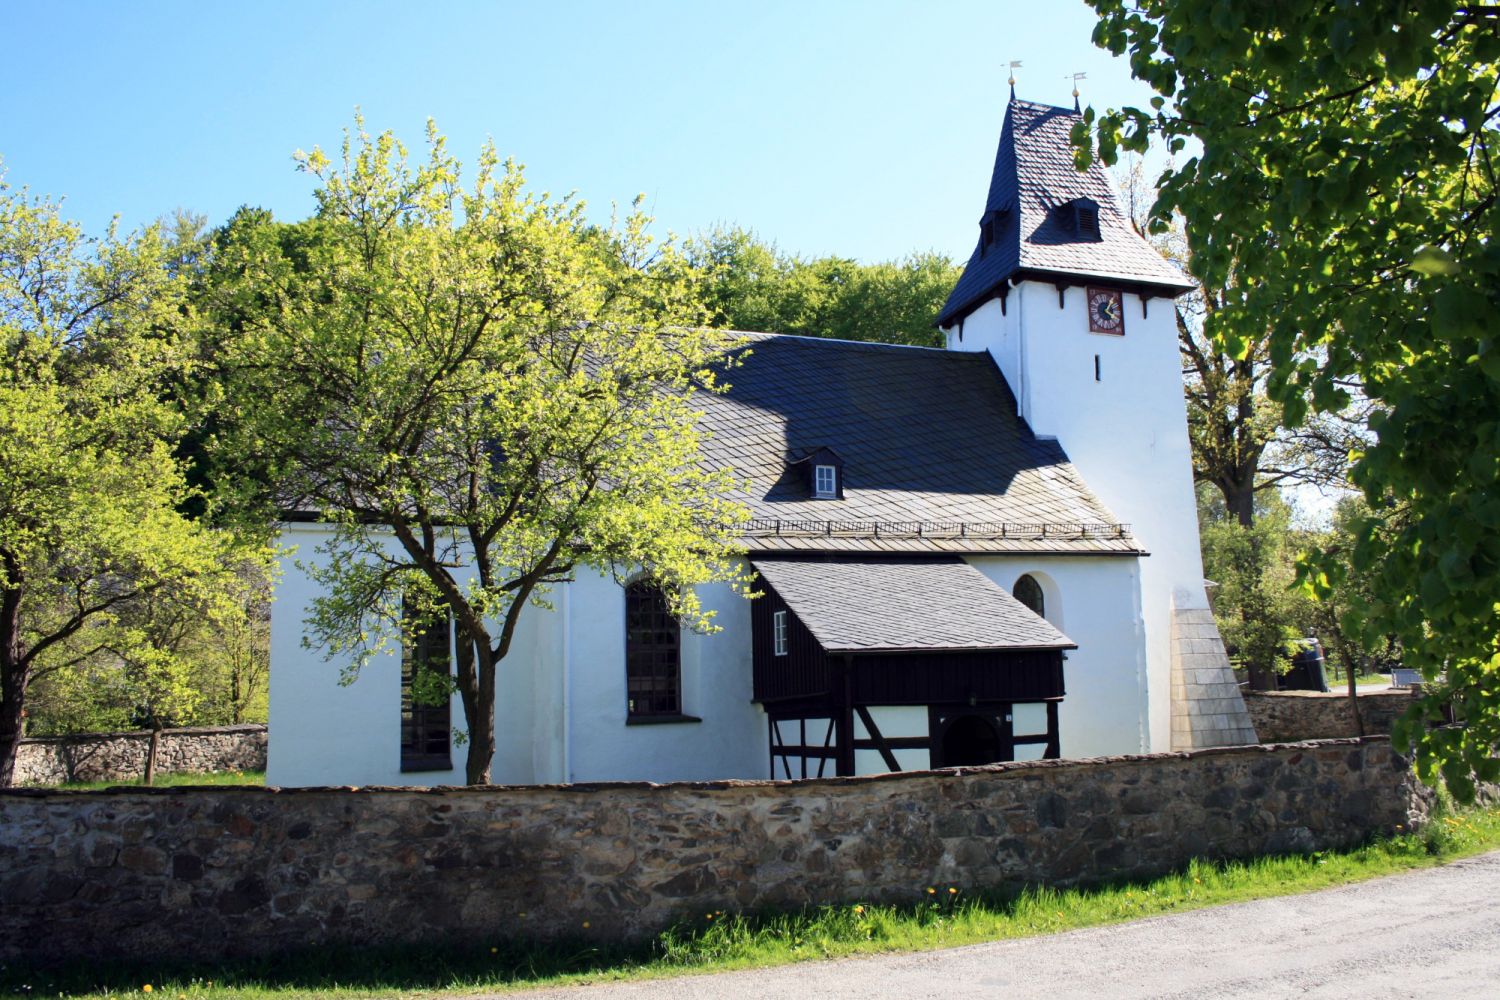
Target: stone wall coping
<point x="1377" y="693"/>
<point x="243" y="727"/>
<point x="698" y="786"/>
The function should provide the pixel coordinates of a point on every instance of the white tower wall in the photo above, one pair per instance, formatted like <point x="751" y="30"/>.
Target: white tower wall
<point x="1124" y="428"/>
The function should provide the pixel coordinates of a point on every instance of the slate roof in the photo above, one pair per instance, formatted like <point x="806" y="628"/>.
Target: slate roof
<point x="935" y="456"/>
<point x="882" y="604"/>
<point x="1033" y="173"/>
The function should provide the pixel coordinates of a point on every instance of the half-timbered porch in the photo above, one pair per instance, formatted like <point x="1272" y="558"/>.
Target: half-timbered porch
<point x="840" y="641"/>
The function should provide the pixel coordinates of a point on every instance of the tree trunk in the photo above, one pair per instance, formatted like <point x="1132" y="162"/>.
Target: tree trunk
<point x="478" y="699"/>
<point x="482" y="725"/>
<point x="15" y="676"/>
<point x="12" y="719"/>
<point x="1239" y="499"/>
<point x="1352" y="671"/>
<point x="151" y="748"/>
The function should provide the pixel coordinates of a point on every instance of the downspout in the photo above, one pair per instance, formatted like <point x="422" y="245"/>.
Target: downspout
<point x="1024" y="375"/>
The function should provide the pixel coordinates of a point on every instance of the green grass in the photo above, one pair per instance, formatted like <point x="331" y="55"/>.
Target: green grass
<point x="1337" y="681"/>
<point x="169" y="780"/>
<point x="719" y="941"/>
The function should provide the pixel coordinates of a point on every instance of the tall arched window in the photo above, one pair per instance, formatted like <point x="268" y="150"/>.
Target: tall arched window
<point x="653" y="648"/>
<point x="1029" y="593"/>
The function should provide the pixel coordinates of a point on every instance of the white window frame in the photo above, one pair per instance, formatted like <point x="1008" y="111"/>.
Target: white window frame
<point x="778" y="633"/>
<point x="831" y="491"/>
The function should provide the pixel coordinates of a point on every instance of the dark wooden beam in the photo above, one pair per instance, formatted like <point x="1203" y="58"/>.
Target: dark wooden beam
<point x="845" y="719"/>
<point x="879" y="740"/>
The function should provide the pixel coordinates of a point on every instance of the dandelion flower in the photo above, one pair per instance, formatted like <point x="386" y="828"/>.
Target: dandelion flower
<point x="585" y="924"/>
<point x="931" y="891"/>
<point x="146" y="988"/>
<point x="952" y="891"/>
<point x="494" y="950"/>
<point x="859" y="909"/>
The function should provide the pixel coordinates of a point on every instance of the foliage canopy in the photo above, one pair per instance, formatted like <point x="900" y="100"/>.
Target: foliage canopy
<point x="504" y="387"/>
<point x="91" y="529"/>
<point x="1347" y="182"/>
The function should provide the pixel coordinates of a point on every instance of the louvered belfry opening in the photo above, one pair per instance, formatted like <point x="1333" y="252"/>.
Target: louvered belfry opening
<point x="426" y="729"/>
<point x="653" y="652"/>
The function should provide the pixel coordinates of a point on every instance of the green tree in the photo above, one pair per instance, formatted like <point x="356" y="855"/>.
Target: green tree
<point x="89" y="488"/>
<point x="1257" y="605"/>
<point x="1340" y="609"/>
<point x="751" y="286"/>
<point x="482" y="393"/>
<point x="1347" y="178"/>
<point x="1241" y="445"/>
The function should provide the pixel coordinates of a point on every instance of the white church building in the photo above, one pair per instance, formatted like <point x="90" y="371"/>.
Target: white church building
<point x="982" y="553"/>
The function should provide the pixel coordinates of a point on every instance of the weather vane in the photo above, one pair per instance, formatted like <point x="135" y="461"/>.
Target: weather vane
<point x="1075" y="78"/>
<point x="1015" y="64"/>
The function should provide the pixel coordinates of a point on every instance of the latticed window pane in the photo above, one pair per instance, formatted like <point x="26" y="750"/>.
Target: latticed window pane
<point x="653" y="642"/>
<point x="826" y="482"/>
<point x="1029" y="593"/>
<point x="425" y="729"/>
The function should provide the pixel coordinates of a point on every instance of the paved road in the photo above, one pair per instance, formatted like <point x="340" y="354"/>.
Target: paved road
<point x="1433" y="933"/>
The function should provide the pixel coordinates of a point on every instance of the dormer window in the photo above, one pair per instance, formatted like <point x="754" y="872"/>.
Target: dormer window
<point x="990" y="228"/>
<point x="822" y="473"/>
<point x="1080" y="216"/>
<point x="826" y="482"/>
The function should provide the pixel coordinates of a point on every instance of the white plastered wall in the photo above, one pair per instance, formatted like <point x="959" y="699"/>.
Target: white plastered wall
<point x="1095" y="601"/>
<point x="326" y="733"/>
<point x="1125" y="432"/>
<point x="560" y="707"/>
<point x="732" y="740"/>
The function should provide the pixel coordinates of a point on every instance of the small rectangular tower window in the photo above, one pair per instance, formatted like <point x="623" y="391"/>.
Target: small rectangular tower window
<point x="825" y="482"/>
<point x="1096" y="369"/>
<point x="778" y="632"/>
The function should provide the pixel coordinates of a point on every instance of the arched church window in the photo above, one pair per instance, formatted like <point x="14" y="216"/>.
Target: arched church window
<point x="1029" y="593"/>
<point x="653" y="652"/>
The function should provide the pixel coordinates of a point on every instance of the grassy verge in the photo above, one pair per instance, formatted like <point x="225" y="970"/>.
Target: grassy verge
<point x="1338" y="682"/>
<point x="168" y="780"/>
<point x="718" y="941"/>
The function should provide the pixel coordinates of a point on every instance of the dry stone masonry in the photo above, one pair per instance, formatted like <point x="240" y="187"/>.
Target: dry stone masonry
<point x="1281" y="716"/>
<point x="237" y="870"/>
<point x="52" y="760"/>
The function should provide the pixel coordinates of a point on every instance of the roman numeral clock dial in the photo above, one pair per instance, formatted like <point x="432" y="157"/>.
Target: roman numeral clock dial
<point x="1106" y="311"/>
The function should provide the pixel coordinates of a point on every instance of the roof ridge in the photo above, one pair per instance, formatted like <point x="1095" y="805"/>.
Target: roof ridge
<point x="868" y="344"/>
<point x="1046" y="107"/>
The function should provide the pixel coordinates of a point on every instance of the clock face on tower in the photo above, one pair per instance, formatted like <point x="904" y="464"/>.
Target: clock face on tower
<point x="1106" y="311"/>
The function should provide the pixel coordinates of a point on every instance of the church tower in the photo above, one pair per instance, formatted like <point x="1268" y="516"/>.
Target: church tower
<point x="1077" y="311"/>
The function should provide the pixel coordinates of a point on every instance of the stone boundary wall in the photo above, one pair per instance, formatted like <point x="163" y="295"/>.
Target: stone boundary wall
<point x="239" y="870"/>
<point x="1287" y="716"/>
<point x="51" y="760"/>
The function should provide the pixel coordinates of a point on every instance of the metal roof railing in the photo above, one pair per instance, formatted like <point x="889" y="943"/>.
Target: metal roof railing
<point x="798" y="528"/>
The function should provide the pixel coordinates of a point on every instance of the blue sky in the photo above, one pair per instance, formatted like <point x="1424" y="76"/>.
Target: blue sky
<point x="864" y="128"/>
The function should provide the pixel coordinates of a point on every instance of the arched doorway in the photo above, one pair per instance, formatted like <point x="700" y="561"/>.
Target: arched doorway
<point x="970" y="740"/>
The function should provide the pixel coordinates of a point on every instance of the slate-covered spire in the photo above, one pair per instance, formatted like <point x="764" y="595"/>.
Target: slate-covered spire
<point x="1032" y="227"/>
